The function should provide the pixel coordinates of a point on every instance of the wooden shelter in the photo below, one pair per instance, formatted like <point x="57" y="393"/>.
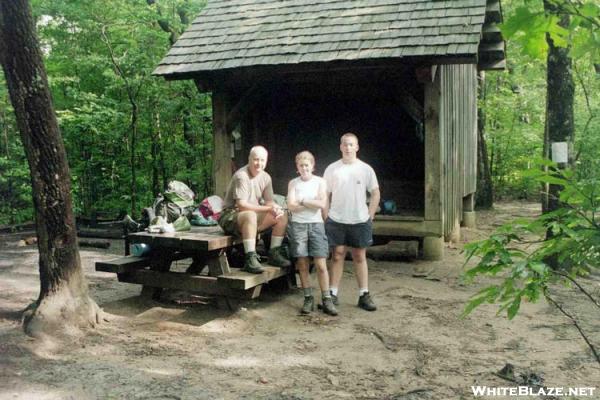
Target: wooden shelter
<point x="401" y="74"/>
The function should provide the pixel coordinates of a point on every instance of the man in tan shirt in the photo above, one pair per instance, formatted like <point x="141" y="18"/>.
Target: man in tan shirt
<point x="249" y="208"/>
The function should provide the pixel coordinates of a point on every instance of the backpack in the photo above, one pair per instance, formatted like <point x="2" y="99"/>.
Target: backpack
<point x="178" y="200"/>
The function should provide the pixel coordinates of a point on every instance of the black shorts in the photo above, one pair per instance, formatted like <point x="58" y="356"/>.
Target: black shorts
<point x="358" y="236"/>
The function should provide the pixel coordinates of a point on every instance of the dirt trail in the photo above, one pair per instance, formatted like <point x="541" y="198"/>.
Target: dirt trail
<point x="414" y="347"/>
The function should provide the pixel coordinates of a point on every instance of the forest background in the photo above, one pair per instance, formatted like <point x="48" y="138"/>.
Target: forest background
<point x="127" y="133"/>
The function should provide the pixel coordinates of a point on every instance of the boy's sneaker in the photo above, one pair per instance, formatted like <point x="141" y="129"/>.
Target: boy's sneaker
<point x="366" y="303"/>
<point x="277" y="258"/>
<point x="252" y="263"/>
<point x="309" y="305"/>
<point x="334" y="299"/>
<point x="328" y="307"/>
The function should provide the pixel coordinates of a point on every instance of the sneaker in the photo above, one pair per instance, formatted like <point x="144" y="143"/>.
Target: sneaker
<point x="309" y="305"/>
<point x="366" y="303"/>
<point x="328" y="307"/>
<point x="252" y="263"/>
<point x="277" y="259"/>
<point x="334" y="299"/>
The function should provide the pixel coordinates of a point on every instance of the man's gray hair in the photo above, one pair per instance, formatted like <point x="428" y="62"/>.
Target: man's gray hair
<point x="257" y="149"/>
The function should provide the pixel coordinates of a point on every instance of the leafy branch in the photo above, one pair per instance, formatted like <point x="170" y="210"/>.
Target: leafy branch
<point x="524" y="263"/>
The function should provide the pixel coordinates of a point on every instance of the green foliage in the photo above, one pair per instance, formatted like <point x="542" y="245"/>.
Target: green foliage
<point x="99" y="56"/>
<point x="514" y="100"/>
<point x="518" y="253"/>
<point x="529" y="24"/>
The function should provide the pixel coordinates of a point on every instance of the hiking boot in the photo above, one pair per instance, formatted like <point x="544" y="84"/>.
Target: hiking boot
<point x="309" y="305"/>
<point x="277" y="258"/>
<point x="366" y="303"/>
<point x="328" y="307"/>
<point x="334" y="299"/>
<point x="252" y="263"/>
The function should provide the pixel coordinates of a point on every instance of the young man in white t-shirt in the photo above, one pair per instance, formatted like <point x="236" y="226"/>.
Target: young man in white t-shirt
<point x="350" y="220"/>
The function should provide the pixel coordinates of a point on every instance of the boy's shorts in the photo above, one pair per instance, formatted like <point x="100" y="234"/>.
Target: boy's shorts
<point x="307" y="239"/>
<point x="359" y="236"/>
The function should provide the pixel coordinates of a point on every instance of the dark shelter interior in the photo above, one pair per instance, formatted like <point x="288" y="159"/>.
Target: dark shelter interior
<point x="382" y="111"/>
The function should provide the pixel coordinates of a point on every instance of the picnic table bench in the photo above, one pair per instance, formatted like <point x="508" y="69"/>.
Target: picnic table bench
<point x="207" y="247"/>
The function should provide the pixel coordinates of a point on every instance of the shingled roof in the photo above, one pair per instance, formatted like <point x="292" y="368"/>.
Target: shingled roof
<point x="232" y="34"/>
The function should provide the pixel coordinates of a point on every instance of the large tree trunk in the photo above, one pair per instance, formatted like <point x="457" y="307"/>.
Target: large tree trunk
<point x="484" y="197"/>
<point x="63" y="305"/>
<point x="560" y="126"/>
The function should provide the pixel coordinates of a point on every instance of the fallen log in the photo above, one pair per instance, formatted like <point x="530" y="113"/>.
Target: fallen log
<point x="94" y="244"/>
<point x="101" y="233"/>
<point x="28" y="226"/>
<point x="395" y="250"/>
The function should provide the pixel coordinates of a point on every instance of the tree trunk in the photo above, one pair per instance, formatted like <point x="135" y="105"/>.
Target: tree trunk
<point x="63" y="305"/>
<point x="484" y="197"/>
<point x="155" y="149"/>
<point x="559" y="101"/>
<point x="134" y="125"/>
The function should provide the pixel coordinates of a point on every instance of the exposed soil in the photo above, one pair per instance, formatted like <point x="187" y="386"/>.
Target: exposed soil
<point x="415" y="346"/>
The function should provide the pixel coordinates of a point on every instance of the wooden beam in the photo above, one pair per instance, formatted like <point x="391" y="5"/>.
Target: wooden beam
<point x="412" y="107"/>
<point x="210" y="80"/>
<point x="245" y="280"/>
<point x="491" y="33"/>
<point x="221" y="144"/>
<point x="493" y="12"/>
<point x="407" y="228"/>
<point x="122" y="264"/>
<point x="492" y="65"/>
<point x="182" y="281"/>
<point x="491" y="51"/>
<point x="241" y="108"/>
<point x="426" y="74"/>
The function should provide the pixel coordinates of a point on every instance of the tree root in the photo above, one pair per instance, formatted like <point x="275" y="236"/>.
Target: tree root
<point x="65" y="312"/>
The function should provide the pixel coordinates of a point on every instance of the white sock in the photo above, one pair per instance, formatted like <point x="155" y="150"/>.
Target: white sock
<point x="276" y="241"/>
<point x="333" y="290"/>
<point x="249" y="245"/>
<point x="362" y="291"/>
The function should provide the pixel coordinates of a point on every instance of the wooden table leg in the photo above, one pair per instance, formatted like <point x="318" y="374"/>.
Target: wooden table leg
<point x="198" y="264"/>
<point x="161" y="261"/>
<point x="218" y="263"/>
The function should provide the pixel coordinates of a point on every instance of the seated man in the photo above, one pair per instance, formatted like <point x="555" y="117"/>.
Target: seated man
<point x="243" y="214"/>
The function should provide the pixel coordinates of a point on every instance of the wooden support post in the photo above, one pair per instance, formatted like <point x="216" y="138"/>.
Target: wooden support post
<point x="221" y="143"/>
<point x="433" y="246"/>
<point x="218" y="264"/>
<point x="469" y="219"/>
<point x="454" y="235"/>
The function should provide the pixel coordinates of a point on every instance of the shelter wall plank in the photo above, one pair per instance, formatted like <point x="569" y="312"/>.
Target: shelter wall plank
<point x="433" y="156"/>
<point x="221" y="144"/>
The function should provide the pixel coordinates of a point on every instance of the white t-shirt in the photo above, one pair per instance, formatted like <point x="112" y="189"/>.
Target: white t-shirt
<point x="307" y="190"/>
<point x="348" y="185"/>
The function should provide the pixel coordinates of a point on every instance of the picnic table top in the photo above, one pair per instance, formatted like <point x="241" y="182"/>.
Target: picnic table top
<point x="199" y="238"/>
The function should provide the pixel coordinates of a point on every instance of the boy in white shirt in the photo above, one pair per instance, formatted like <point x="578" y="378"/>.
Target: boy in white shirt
<point x="350" y="220"/>
<point x="307" y="197"/>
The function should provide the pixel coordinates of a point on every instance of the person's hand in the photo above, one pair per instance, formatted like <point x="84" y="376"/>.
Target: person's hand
<point x="276" y="211"/>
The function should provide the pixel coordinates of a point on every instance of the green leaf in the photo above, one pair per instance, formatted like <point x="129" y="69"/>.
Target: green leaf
<point x="513" y="309"/>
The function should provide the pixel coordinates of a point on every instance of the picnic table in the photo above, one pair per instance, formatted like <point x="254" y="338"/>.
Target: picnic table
<point x="209" y="273"/>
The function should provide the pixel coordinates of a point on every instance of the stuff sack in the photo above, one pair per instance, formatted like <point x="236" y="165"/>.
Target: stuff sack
<point x="180" y="194"/>
<point x="211" y="207"/>
<point x="177" y="201"/>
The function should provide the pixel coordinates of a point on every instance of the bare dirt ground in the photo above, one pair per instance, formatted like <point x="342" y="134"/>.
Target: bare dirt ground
<point x="414" y="347"/>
